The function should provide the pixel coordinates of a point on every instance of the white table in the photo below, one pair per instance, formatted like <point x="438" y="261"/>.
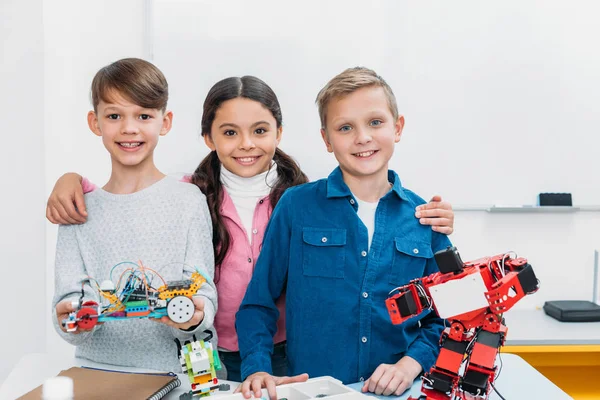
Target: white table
<point x="518" y="380"/>
<point x="534" y="327"/>
<point x="568" y="353"/>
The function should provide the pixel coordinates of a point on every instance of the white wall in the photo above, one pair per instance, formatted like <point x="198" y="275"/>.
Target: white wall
<point x="499" y="98"/>
<point x="80" y="37"/>
<point x="559" y="246"/>
<point x="500" y="101"/>
<point x="22" y="237"/>
<point x="50" y="52"/>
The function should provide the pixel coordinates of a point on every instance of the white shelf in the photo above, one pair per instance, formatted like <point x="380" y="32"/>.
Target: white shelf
<point x="529" y="209"/>
<point x="534" y="209"/>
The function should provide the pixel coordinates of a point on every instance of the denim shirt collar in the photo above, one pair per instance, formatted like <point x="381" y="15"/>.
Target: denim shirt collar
<point x="336" y="187"/>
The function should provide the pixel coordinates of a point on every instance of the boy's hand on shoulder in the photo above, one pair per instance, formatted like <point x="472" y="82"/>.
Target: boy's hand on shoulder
<point x="438" y="214"/>
<point x="197" y="318"/>
<point x="393" y="379"/>
<point x="254" y="383"/>
<point x="66" y="205"/>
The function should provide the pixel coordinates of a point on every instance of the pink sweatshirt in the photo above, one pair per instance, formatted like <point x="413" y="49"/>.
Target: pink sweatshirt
<point x="88" y="186"/>
<point x="234" y="274"/>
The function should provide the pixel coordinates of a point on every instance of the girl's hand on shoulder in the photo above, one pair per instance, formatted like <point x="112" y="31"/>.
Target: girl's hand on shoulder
<point x="66" y="205"/>
<point x="197" y="318"/>
<point x="438" y="214"/>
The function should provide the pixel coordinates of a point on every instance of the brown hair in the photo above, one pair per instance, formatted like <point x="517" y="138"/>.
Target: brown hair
<point x="208" y="174"/>
<point x="137" y="80"/>
<point x="350" y="81"/>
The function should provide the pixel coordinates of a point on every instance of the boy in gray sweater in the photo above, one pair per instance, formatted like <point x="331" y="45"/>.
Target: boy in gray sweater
<point x="140" y="214"/>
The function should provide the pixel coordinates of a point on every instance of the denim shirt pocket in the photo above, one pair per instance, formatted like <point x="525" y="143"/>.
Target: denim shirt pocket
<point x="323" y="252"/>
<point x="409" y="260"/>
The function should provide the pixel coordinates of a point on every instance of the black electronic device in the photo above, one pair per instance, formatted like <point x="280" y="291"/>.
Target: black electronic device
<point x="573" y="310"/>
<point x="555" y="199"/>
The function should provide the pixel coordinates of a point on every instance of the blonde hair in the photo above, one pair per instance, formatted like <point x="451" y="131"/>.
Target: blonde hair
<point x="137" y="80"/>
<point x="350" y="81"/>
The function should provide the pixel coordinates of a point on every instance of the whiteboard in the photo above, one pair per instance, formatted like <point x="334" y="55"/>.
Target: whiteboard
<point x="501" y="99"/>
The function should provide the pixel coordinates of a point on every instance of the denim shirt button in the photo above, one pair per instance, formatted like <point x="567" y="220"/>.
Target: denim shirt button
<point x="363" y="253"/>
<point x="362" y="379"/>
<point x="352" y="201"/>
<point x="416" y="251"/>
<point x="324" y="240"/>
<point x="365" y="295"/>
<point x="364" y="339"/>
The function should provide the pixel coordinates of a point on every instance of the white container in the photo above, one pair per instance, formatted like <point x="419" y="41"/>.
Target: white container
<point x="58" y="388"/>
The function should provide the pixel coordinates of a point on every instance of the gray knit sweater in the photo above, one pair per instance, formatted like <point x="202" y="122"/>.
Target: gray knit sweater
<point x="164" y="226"/>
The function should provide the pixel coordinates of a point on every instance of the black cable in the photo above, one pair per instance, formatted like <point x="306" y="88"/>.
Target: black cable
<point x="499" y="369"/>
<point x="470" y="345"/>
<point x="497" y="376"/>
<point x="497" y="392"/>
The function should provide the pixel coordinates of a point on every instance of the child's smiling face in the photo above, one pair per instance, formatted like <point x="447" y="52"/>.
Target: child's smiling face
<point x="129" y="132"/>
<point x="245" y="136"/>
<point x="361" y="132"/>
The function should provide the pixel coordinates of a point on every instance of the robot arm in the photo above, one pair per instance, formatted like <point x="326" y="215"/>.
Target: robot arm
<point x="497" y="282"/>
<point x="516" y="281"/>
<point x="409" y="301"/>
<point x="412" y="299"/>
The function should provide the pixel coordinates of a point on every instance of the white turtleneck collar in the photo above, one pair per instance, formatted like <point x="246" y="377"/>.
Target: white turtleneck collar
<point x="246" y="192"/>
<point x="258" y="185"/>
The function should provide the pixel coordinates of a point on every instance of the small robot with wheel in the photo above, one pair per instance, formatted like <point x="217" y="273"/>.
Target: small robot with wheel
<point x="134" y="296"/>
<point x="200" y="362"/>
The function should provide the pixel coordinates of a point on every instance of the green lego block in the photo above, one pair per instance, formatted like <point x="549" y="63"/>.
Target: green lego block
<point x="140" y="303"/>
<point x="216" y="361"/>
<point x="188" y="363"/>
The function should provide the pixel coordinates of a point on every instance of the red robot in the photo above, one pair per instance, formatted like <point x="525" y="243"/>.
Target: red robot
<point x="472" y="297"/>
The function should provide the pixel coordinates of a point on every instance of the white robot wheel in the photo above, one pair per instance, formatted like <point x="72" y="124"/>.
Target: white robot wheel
<point x="180" y="309"/>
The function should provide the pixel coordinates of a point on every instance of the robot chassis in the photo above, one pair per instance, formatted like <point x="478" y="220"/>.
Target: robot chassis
<point x="472" y="297"/>
<point x="136" y="299"/>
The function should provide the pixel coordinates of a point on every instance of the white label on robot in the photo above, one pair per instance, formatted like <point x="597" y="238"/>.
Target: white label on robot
<point x="459" y="296"/>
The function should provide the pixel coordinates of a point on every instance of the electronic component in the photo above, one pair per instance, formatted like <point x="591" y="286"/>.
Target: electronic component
<point x="133" y="296"/>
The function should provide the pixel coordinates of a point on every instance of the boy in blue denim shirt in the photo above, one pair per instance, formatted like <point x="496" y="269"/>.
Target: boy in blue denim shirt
<point x="336" y="247"/>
